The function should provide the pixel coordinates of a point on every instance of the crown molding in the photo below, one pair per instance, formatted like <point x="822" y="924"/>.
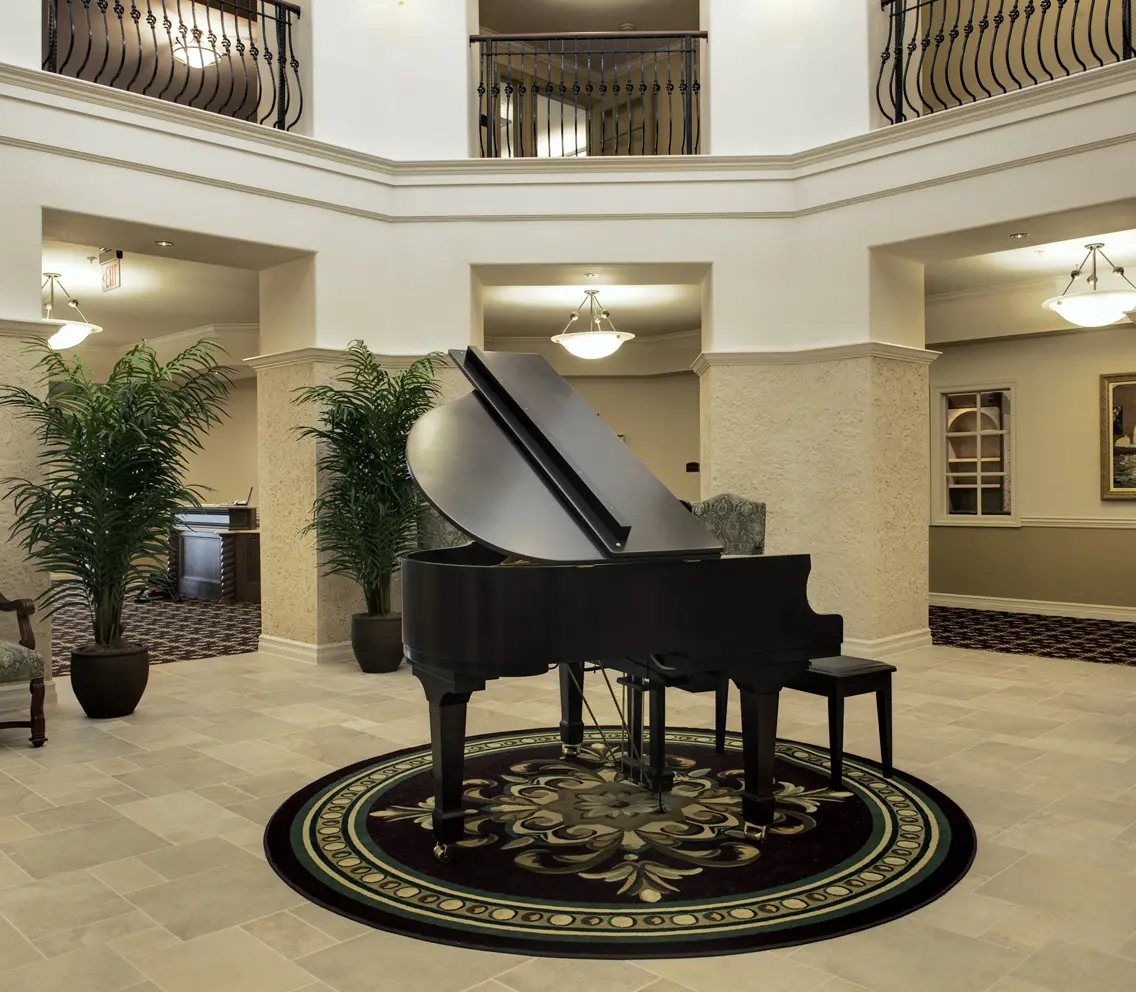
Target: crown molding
<point x="831" y="353"/>
<point x="304" y="356"/>
<point x="836" y="155"/>
<point x="297" y="356"/>
<point x="27" y="329"/>
<point x="191" y="335"/>
<point x="1001" y="289"/>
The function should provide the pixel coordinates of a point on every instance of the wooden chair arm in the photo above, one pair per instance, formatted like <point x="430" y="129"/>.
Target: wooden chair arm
<point x="23" y="608"/>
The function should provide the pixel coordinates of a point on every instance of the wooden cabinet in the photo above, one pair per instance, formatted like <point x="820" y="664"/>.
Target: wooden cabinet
<point x="215" y="554"/>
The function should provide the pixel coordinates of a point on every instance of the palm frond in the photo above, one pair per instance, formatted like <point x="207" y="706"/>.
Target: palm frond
<point x="112" y="462"/>
<point x="366" y="512"/>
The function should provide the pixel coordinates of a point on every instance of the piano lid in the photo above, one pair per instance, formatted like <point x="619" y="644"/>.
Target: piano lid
<point x="527" y="468"/>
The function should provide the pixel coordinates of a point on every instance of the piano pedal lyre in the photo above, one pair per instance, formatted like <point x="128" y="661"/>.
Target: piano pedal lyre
<point x="443" y="853"/>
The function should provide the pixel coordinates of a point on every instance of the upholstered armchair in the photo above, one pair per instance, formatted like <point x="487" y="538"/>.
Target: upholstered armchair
<point x="22" y="663"/>
<point x="737" y="522"/>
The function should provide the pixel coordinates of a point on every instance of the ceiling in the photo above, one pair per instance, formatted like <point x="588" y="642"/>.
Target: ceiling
<point x="536" y="300"/>
<point x="158" y="296"/>
<point x="1040" y="262"/>
<point x="188" y="246"/>
<point x="522" y="16"/>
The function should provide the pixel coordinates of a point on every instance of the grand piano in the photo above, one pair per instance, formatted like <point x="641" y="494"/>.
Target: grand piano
<point x="582" y="560"/>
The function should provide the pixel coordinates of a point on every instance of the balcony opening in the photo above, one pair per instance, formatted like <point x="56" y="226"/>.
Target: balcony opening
<point x="231" y="57"/>
<point x="590" y="80"/>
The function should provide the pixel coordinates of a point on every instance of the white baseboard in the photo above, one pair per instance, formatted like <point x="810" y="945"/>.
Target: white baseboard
<point x="1045" y="608"/>
<point x="885" y="647"/>
<point x="311" y="654"/>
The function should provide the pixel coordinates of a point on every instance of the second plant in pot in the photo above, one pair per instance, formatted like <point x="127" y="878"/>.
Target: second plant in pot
<point x="112" y="460"/>
<point x="366" y="514"/>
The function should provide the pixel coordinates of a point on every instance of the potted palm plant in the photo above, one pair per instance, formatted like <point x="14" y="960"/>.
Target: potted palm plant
<point x="113" y="457"/>
<point x="366" y="515"/>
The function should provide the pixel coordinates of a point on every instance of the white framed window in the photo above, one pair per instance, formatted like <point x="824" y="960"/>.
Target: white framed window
<point x="973" y="463"/>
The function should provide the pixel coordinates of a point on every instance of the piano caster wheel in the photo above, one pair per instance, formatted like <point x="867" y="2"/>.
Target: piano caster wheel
<point x="569" y="750"/>
<point x="754" y="834"/>
<point x="444" y="853"/>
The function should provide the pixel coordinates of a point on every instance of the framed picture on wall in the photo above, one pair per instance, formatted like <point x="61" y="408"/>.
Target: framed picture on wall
<point x="1118" y="435"/>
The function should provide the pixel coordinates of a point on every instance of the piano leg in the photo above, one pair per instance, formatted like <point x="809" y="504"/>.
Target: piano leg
<point x="447" y="696"/>
<point x="759" y="742"/>
<point x="571" y="707"/>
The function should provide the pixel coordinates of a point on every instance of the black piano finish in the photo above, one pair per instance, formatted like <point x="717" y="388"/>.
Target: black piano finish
<point x="613" y="569"/>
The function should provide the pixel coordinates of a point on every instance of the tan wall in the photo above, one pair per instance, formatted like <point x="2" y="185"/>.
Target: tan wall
<point x="227" y="462"/>
<point x="1059" y="565"/>
<point x="1057" y="424"/>
<point x="658" y="416"/>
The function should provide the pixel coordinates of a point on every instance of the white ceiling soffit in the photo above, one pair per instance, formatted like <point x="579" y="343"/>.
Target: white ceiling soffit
<point x="159" y="296"/>
<point x="1030" y="264"/>
<point x="188" y="246"/>
<point x="645" y="310"/>
<point x="523" y="16"/>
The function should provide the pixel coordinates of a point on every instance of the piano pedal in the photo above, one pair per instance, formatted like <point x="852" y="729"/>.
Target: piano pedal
<point x="443" y="853"/>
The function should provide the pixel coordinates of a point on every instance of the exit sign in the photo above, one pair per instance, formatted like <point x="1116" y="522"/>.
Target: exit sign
<point x="111" y="261"/>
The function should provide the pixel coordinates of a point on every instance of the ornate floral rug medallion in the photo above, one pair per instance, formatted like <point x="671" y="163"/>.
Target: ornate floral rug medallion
<point x="563" y="857"/>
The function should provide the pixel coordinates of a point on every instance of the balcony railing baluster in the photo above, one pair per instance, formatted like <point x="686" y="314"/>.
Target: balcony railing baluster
<point x="632" y="93"/>
<point x="946" y="53"/>
<point x="199" y="53"/>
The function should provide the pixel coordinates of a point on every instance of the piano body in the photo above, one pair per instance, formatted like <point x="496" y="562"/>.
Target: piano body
<point x="581" y="556"/>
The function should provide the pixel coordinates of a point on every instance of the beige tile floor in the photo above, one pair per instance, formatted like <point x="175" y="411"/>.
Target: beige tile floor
<point x="130" y="849"/>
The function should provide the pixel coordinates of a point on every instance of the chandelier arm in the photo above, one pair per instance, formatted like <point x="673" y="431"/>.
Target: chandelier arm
<point x="1078" y="271"/>
<point x="1117" y="270"/>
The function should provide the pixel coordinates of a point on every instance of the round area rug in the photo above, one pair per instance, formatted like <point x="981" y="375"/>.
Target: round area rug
<point x="563" y="857"/>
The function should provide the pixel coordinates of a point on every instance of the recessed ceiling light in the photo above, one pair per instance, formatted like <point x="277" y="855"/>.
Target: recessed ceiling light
<point x="164" y="244"/>
<point x="1018" y="235"/>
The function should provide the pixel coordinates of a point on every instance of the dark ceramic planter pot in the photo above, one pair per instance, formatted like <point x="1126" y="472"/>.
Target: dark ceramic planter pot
<point x="377" y="641"/>
<point x="109" y="682"/>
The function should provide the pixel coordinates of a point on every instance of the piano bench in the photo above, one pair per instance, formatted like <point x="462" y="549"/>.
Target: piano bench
<point x="835" y="679"/>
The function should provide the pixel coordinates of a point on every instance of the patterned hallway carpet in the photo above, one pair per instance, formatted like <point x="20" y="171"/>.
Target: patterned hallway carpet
<point x="1107" y="641"/>
<point x="172" y="631"/>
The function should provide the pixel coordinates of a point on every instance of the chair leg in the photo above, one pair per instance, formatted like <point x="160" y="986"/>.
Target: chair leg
<point x="721" y="701"/>
<point x="39" y="724"/>
<point x="836" y="738"/>
<point x="883" y="714"/>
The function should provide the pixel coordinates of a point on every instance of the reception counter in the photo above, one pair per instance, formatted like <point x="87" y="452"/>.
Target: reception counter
<point x="215" y="553"/>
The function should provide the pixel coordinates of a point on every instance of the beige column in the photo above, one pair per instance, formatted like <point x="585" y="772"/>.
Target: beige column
<point x="305" y="614"/>
<point x="835" y="442"/>
<point x="19" y="579"/>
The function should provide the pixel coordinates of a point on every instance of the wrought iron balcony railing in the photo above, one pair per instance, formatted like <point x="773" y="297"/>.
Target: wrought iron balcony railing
<point x="945" y="53"/>
<point x="576" y="95"/>
<point x="231" y="57"/>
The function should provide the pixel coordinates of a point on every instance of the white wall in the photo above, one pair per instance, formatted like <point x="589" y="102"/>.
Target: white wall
<point x="1057" y="418"/>
<point x="658" y="416"/>
<point x="784" y="77"/>
<point x="226" y="464"/>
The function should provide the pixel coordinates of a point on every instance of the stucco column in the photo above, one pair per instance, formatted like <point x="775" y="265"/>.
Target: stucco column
<point x="305" y="614"/>
<point x="835" y="442"/>
<point x="19" y="579"/>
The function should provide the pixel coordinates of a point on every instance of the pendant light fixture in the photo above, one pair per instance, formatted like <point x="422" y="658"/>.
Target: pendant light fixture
<point x="71" y="332"/>
<point x="595" y="342"/>
<point x="1094" y="307"/>
<point x="191" y="51"/>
